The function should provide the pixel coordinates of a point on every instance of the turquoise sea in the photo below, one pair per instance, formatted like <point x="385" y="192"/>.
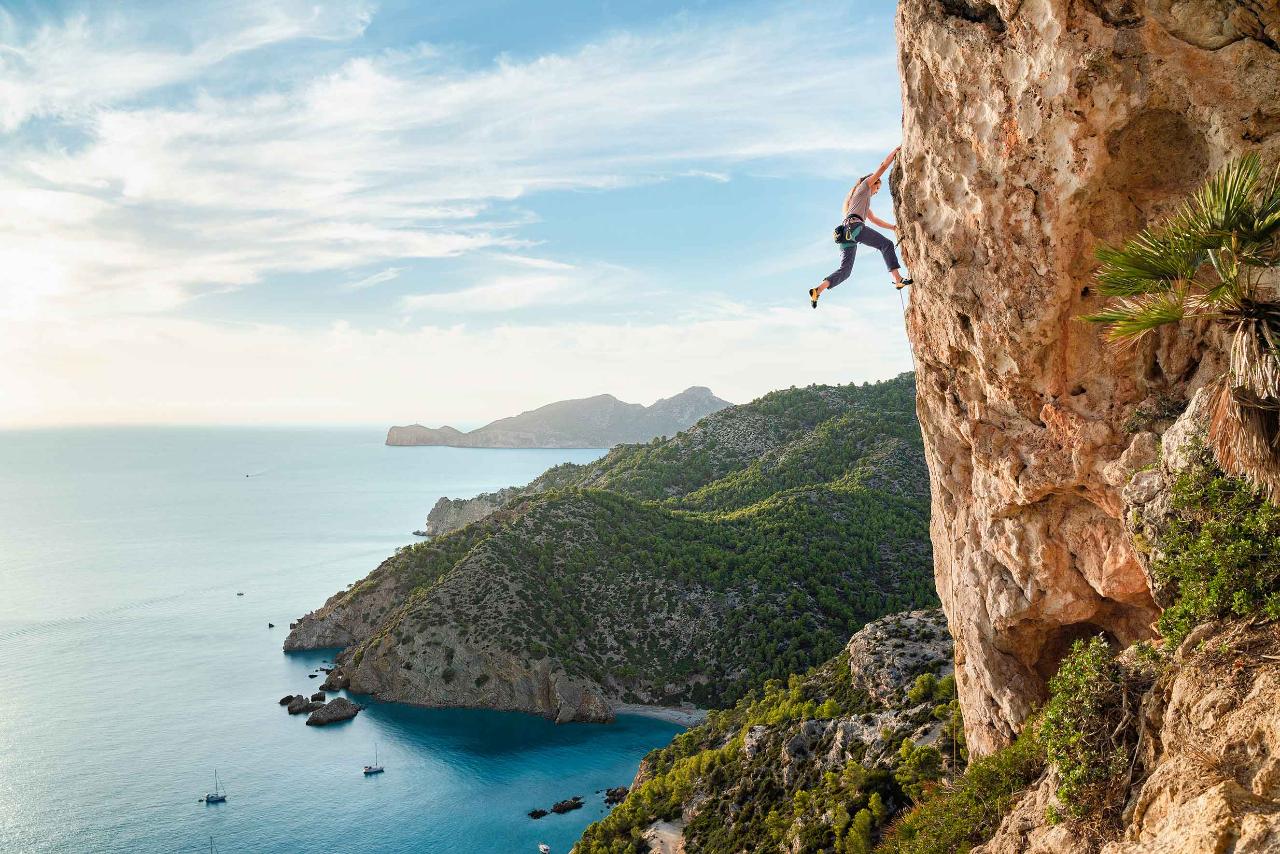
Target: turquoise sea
<point x="131" y="669"/>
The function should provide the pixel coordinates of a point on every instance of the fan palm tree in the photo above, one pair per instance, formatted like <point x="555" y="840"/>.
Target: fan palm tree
<point x="1217" y="258"/>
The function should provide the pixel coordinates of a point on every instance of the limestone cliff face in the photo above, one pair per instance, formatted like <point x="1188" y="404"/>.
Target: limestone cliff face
<point x="1208" y="761"/>
<point x="1033" y="130"/>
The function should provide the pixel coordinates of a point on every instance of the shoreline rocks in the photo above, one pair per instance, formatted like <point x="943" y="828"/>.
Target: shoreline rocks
<point x="336" y="710"/>
<point x="303" y="705"/>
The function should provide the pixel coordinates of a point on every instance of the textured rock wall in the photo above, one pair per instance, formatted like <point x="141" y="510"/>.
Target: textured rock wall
<point x="1209" y="760"/>
<point x="1033" y="130"/>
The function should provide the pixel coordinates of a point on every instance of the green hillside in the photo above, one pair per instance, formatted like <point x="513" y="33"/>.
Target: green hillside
<point x="687" y="569"/>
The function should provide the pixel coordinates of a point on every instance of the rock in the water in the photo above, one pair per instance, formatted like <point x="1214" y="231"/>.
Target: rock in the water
<point x="1032" y="132"/>
<point x="337" y="709"/>
<point x="319" y="695"/>
<point x="537" y="814"/>
<point x="302" y="705"/>
<point x="286" y="699"/>
<point x="271" y="625"/>
<point x="562" y="807"/>
<point x="335" y="681"/>
<point x="312" y="675"/>
<point x="615" y="796"/>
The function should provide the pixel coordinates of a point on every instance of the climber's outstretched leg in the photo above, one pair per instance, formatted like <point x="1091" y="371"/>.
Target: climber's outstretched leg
<point x="884" y="246"/>
<point x="847" y="253"/>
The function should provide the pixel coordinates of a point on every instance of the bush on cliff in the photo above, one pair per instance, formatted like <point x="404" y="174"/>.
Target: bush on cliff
<point x="1220" y="553"/>
<point x="966" y="813"/>
<point x="1084" y="730"/>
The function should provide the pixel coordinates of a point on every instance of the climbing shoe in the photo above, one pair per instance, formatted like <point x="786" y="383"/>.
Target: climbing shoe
<point x="904" y="283"/>
<point x="813" y="296"/>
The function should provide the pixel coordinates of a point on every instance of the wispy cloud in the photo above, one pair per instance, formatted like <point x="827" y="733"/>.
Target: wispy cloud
<point x="379" y="278"/>
<point x="382" y="158"/>
<point x="102" y="56"/>
<point x="140" y="171"/>
<point x="506" y="293"/>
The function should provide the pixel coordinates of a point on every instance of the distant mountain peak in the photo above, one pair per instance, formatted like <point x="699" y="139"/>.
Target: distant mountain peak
<point x="600" y="421"/>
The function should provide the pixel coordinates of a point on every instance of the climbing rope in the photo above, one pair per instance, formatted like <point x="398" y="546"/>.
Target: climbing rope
<point x="902" y="301"/>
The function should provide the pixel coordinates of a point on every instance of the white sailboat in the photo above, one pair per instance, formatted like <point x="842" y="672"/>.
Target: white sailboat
<point x="217" y="796"/>
<point x="544" y="848"/>
<point x="375" y="768"/>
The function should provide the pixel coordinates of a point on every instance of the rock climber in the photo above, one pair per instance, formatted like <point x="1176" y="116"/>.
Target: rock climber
<point x="854" y="230"/>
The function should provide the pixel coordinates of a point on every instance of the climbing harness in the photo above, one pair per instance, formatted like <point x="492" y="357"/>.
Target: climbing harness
<point x="848" y="231"/>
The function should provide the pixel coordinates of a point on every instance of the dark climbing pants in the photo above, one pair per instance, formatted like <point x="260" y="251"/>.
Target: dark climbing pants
<point x="866" y="237"/>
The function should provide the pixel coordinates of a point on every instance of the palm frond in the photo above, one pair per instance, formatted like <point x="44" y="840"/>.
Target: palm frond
<point x="1225" y="203"/>
<point x="1266" y="217"/>
<point x="1129" y="318"/>
<point x="1149" y="263"/>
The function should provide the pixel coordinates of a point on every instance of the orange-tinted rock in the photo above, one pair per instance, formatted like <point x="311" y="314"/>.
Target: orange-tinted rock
<point x="1034" y="129"/>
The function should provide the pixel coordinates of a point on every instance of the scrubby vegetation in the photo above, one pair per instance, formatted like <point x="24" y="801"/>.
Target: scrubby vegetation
<point x="814" y="763"/>
<point x="1089" y="730"/>
<point x="688" y="569"/>
<point x="1213" y="260"/>
<point x="966" y="813"/>
<point x="1220" y="553"/>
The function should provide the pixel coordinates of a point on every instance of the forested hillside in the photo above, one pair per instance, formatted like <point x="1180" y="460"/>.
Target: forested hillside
<point x="820" y="762"/>
<point x="685" y="570"/>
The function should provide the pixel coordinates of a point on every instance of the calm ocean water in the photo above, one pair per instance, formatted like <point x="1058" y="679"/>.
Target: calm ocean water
<point x="132" y="670"/>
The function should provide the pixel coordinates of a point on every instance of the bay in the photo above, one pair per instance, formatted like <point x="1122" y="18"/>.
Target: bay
<point x="132" y="669"/>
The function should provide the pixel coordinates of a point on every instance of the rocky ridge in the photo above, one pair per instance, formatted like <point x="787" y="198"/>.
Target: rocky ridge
<point x="591" y="422"/>
<point x="736" y="440"/>
<point x="1209" y="773"/>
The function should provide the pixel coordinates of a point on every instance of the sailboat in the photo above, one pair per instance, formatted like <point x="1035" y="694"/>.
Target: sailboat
<point x="217" y="796"/>
<point x="544" y="848"/>
<point x="375" y="768"/>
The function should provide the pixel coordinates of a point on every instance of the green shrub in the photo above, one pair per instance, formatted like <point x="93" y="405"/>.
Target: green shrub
<point x="918" y="765"/>
<point x="954" y="820"/>
<point x="1221" y="553"/>
<point x="923" y="688"/>
<point x="1084" y="732"/>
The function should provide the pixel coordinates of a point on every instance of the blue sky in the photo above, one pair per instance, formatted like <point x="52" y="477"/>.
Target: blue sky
<point x="259" y="212"/>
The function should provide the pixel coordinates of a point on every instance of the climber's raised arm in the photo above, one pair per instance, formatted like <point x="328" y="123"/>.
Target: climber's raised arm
<point x="884" y="167"/>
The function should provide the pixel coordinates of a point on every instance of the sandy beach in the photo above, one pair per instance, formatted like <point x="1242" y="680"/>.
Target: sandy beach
<point x="686" y="716"/>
